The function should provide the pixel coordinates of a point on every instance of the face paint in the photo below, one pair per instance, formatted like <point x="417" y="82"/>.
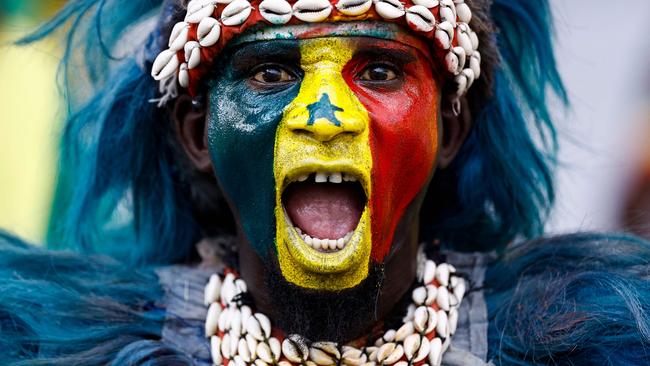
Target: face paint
<point x="265" y="143"/>
<point x="242" y="124"/>
<point x="324" y="131"/>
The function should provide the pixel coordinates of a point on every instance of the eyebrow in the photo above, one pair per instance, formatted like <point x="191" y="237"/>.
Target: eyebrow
<point x="373" y="52"/>
<point x="255" y="53"/>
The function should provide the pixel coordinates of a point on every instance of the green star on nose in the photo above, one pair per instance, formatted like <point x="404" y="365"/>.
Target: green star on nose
<point x="323" y="109"/>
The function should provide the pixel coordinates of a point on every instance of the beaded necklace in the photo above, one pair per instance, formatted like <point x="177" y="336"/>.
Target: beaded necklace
<point x="239" y="335"/>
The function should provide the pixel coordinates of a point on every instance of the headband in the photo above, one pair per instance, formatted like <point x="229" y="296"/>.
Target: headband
<point x="209" y="25"/>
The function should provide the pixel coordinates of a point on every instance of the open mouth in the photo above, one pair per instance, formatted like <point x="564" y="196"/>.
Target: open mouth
<point x="325" y="208"/>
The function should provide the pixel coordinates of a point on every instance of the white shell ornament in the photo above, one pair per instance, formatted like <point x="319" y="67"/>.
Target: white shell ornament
<point x="193" y="59"/>
<point x="165" y="65"/>
<point x="389" y="9"/>
<point x="420" y="18"/>
<point x="208" y="32"/>
<point x="464" y="13"/>
<point x="236" y="13"/>
<point x="429" y="4"/>
<point x="312" y="11"/>
<point x="353" y="7"/>
<point x="196" y="11"/>
<point x="275" y="11"/>
<point x="178" y="37"/>
<point x="444" y="34"/>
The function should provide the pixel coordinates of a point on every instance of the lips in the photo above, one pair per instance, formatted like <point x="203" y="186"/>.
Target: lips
<point x="325" y="208"/>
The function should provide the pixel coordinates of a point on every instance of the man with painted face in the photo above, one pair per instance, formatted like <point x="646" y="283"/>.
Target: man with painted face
<point x="361" y="178"/>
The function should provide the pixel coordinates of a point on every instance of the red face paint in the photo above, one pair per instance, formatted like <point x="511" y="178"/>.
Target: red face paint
<point x="403" y="133"/>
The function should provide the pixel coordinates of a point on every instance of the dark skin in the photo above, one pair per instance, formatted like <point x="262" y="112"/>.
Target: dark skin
<point x="399" y="266"/>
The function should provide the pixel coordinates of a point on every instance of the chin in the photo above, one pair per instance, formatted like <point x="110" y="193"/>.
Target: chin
<point x="339" y="316"/>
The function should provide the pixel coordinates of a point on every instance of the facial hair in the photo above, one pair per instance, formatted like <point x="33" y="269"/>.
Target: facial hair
<point x="339" y="316"/>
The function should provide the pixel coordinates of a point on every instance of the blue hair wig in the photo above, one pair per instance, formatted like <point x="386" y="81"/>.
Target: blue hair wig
<point x="581" y="299"/>
<point x="63" y="308"/>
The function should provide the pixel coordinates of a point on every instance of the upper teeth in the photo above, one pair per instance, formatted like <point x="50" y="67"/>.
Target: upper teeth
<point x="324" y="177"/>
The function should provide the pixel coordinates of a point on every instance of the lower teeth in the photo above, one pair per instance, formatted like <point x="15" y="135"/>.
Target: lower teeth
<point x="326" y="244"/>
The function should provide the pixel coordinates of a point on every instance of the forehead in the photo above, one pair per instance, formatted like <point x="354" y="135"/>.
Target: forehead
<point x="364" y="34"/>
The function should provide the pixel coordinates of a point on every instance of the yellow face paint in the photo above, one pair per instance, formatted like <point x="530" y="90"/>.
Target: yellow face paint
<point x="308" y="141"/>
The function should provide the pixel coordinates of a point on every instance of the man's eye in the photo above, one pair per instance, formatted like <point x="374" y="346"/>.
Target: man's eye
<point x="379" y="73"/>
<point x="272" y="75"/>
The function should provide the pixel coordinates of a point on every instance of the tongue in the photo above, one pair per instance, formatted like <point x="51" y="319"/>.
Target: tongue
<point x="324" y="210"/>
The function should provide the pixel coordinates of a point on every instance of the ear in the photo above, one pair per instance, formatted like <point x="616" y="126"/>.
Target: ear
<point x="455" y="128"/>
<point x="191" y="127"/>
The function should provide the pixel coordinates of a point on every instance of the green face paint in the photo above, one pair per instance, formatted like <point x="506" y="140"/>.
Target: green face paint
<point x="242" y="124"/>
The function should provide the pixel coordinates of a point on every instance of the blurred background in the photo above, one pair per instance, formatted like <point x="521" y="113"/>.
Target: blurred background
<point x="604" y="173"/>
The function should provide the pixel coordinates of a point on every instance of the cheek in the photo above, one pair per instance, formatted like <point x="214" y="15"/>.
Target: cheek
<point x="404" y="145"/>
<point x="242" y="126"/>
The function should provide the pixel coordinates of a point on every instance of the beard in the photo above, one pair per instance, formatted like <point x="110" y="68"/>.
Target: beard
<point x="338" y="316"/>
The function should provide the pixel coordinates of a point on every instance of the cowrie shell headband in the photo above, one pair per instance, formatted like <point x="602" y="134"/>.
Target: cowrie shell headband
<point x="210" y="24"/>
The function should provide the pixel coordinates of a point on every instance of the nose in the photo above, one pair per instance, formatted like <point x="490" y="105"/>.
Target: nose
<point x="333" y="110"/>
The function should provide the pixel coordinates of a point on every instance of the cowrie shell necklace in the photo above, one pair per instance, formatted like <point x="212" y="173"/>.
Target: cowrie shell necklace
<point x="243" y="337"/>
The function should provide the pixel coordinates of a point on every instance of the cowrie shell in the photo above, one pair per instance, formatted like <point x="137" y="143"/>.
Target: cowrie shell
<point x="213" y="288"/>
<point x="321" y="357"/>
<point x="459" y="289"/>
<point x="192" y="54"/>
<point x="411" y="345"/>
<point x="429" y="4"/>
<point x="225" y="345"/>
<point x="442" y="298"/>
<point x="435" y="352"/>
<point x="236" y="13"/>
<point x="419" y="295"/>
<point x="453" y="320"/>
<point x="442" y="328"/>
<point x="451" y="61"/>
<point x="474" y="38"/>
<point x="404" y="331"/>
<point x="447" y="15"/>
<point x="329" y="348"/>
<point x="215" y="350"/>
<point x="475" y="65"/>
<point x="294" y="350"/>
<point x="389" y="9"/>
<point x="432" y="291"/>
<point x="178" y="37"/>
<point x="420" y="18"/>
<point x="196" y="11"/>
<point x="252" y="345"/>
<point x="184" y="79"/>
<point x="254" y="328"/>
<point x="208" y="32"/>
<point x="275" y="11"/>
<point x="165" y="65"/>
<point x="464" y="13"/>
<point x="353" y="356"/>
<point x="243" y="350"/>
<point x="425" y="347"/>
<point x="353" y="7"/>
<point x="264" y="352"/>
<point x="442" y="272"/>
<point x="444" y="34"/>
<point x="312" y="11"/>
<point x="429" y="272"/>
<point x="469" y="74"/>
<point x="462" y="57"/>
<point x="212" y="318"/>
<point x="259" y="362"/>
<point x="239" y="361"/>
<point x="465" y="41"/>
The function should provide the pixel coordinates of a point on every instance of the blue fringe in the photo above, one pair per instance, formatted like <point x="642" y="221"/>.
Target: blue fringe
<point x="62" y="308"/>
<point x="581" y="299"/>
